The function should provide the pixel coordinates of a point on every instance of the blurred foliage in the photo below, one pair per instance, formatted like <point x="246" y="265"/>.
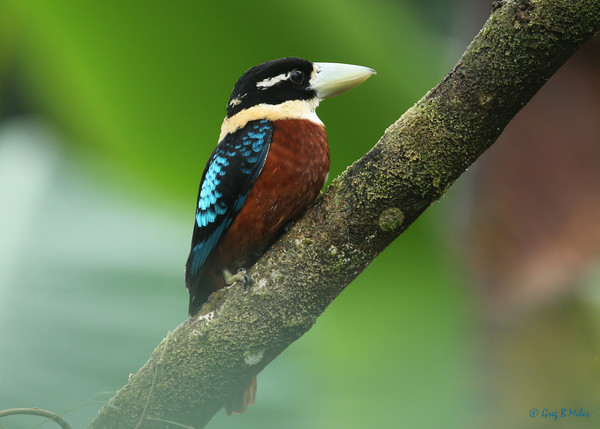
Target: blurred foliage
<point x="101" y="212"/>
<point x="145" y="83"/>
<point x="138" y="92"/>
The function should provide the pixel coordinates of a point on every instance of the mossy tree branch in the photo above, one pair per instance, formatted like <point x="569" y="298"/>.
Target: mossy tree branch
<point x="241" y="330"/>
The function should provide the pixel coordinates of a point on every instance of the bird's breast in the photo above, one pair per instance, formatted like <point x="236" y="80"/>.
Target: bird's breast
<point x="294" y="172"/>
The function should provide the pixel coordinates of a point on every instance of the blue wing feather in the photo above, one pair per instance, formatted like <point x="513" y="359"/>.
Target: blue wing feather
<point x="227" y="179"/>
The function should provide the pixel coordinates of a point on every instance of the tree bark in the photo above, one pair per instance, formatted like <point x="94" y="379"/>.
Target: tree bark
<point x="241" y="329"/>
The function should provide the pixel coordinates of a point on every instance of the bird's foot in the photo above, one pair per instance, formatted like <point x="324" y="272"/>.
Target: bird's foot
<point x="241" y="276"/>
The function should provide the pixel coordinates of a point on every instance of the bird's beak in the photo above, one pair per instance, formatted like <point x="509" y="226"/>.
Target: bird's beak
<point x="332" y="79"/>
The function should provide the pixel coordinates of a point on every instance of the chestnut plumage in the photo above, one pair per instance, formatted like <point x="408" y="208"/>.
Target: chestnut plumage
<point x="270" y="164"/>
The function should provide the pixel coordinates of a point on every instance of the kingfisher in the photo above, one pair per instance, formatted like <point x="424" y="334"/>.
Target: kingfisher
<point x="270" y="163"/>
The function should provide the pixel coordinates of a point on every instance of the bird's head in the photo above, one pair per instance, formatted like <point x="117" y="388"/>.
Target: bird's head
<point x="288" y="88"/>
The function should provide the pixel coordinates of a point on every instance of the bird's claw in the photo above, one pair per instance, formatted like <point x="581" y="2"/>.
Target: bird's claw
<point x="241" y="276"/>
<point x="244" y="277"/>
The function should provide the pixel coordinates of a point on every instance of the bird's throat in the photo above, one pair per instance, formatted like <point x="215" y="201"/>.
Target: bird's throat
<point x="292" y="109"/>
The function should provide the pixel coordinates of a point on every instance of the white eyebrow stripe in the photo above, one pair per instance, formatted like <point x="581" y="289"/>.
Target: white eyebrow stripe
<point x="271" y="81"/>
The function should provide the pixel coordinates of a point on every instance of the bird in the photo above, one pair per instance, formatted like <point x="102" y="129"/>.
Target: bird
<point x="269" y="166"/>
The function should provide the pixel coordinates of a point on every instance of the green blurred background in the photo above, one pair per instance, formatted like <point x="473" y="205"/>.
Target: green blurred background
<point x="109" y="111"/>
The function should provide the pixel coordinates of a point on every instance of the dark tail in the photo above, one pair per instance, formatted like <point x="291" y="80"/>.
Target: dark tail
<point x="239" y="402"/>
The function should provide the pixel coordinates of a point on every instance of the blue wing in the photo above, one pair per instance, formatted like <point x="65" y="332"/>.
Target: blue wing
<point x="227" y="179"/>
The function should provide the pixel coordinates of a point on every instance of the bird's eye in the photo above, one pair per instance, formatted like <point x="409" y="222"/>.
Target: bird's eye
<point x="297" y="76"/>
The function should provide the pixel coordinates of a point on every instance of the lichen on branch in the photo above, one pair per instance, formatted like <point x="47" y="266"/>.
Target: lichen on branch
<point x="242" y="329"/>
